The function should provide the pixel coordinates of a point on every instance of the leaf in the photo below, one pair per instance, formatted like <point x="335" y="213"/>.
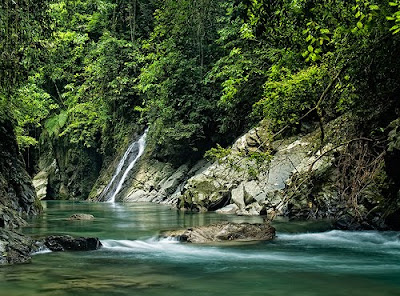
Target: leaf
<point x="62" y="118"/>
<point x="393" y="4"/>
<point x="314" y="57"/>
<point x="360" y="25"/>
<point x="310" y="48"/>
<point x="374" y="7"/>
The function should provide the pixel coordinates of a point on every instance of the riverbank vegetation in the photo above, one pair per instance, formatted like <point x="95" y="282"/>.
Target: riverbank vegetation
<point x="83" y="74"/>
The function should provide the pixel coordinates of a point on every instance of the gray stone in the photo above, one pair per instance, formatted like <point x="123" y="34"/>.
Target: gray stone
<point x="40" y="182"/>
<point x="223" y="232"/>
<point x="172" y="182"/>
<point x="229" y="209"/>
<point x="238" y="196"/>
<point x="81" y="217"/>
<point x="135" y="195"/>
<point x="14" y="247"/>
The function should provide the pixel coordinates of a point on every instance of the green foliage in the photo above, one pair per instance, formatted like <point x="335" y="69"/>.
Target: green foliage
<point x="394" y="136"/>
<point x="198" y="72"/>
<point x="217" y="153"/>
<point x="23" y="25"/>
<point x="317" y="38"/>
<point x="251" y="162"/>
<point x="286" y="100"/>
<point x="90" y="73"/>
<point x="395" y="17"/>
<point x="180" y="107"/>
<point x="54" y="124"/>
<point x="85" y="127"/>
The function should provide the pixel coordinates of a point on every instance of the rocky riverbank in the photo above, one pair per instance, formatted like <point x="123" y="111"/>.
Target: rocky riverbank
<point x="343" y="178"/>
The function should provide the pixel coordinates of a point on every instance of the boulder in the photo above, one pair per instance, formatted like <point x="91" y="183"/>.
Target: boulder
<point x="223" y="232"/>
<point x="81" y="217"/>
<point x="58" y="243"/>
<point x="229" y="209"/>
<point x="238" y="196"/>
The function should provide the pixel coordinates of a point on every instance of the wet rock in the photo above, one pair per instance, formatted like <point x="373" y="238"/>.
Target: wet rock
<point x="223" y="232"/>
<point x="69" y="243"/>
<point x="14" y="247"/>
<point x="81" y="217"/>
<point x="16" y="190"/>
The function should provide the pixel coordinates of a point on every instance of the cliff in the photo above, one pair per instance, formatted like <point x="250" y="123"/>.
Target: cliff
<point x="17" y="199"/>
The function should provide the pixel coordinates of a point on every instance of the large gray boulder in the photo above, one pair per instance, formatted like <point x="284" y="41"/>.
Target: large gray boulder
<point x="223" y="232"/>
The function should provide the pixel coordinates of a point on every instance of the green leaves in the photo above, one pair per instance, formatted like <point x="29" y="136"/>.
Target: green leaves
<point x="365" y="13"/>
<point x="395" y="17"/>
<point x="286" y="100"/>
<point x="23" y="25"/>
<point x="317" y="38"/>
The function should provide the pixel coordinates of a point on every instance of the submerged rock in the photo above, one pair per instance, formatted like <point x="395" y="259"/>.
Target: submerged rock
<point x="81" y="216"/>
<point x="221" y="232"/>
<point x="58" y="243"/>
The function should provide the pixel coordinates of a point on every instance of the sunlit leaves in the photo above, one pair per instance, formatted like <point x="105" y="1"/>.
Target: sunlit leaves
<point x="285" y="101"/>
<point x="395" y="17"/>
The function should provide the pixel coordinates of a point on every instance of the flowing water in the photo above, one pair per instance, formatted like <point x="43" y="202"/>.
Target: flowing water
<point x="125" y="165"/>
<point x="301" y="261"/>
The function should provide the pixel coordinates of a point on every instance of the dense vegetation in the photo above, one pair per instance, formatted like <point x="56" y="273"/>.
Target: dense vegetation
<point x="88" y="72"/>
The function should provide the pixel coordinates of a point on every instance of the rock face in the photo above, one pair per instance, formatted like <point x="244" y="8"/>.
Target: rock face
<point x="69" y="243"/>
<point x="16" y="190"/>
<point x="222" y="184"/>
<point x="40" y="182"/>
<point x="66" y="170"/>
<point x="223" y="232"/>
<point x="17" y="199"/>
<point x="14" y="247"/>
<point x="151" y="181"/>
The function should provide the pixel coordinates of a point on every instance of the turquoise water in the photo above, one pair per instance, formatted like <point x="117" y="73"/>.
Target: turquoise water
<point x="301" y="261"/>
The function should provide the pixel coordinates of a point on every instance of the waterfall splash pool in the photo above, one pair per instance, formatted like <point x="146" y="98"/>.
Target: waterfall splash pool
<point x="301" y="261"/>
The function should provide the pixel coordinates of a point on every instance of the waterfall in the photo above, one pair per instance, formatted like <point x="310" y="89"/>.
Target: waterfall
<point x="131" y="156"/>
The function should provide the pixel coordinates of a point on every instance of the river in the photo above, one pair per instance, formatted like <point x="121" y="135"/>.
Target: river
<point x="301" y="261"/>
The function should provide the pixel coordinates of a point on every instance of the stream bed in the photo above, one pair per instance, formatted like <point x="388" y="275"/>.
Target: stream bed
<point x="304" y="260"/>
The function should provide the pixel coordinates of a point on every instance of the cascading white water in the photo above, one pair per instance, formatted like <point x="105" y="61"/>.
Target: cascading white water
<point x="110" y="191"/>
